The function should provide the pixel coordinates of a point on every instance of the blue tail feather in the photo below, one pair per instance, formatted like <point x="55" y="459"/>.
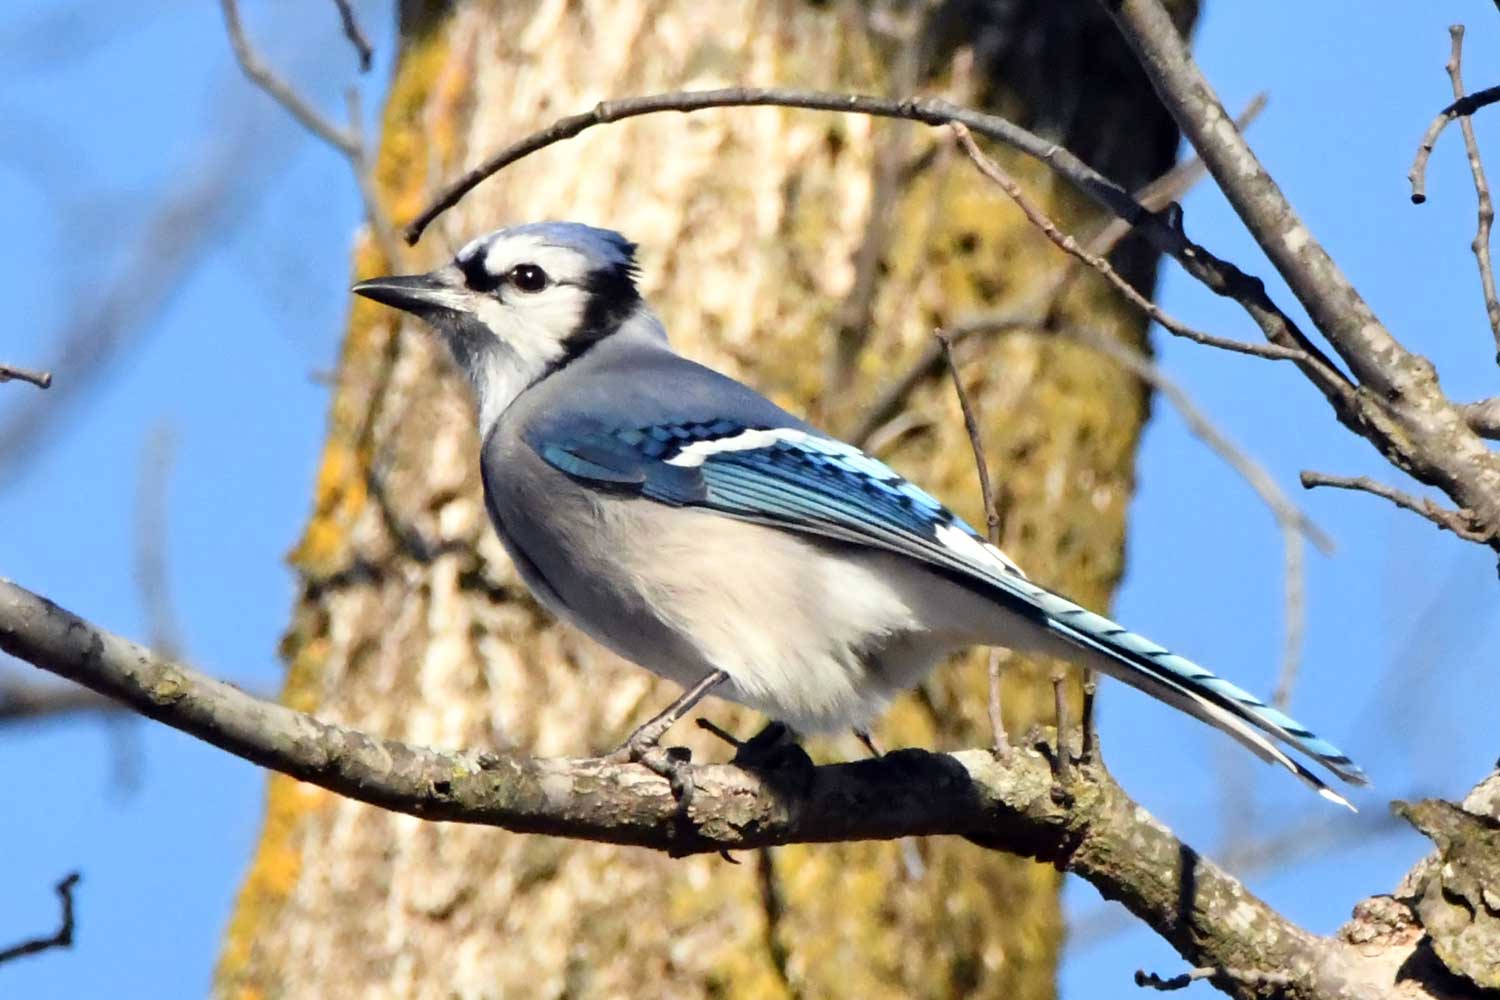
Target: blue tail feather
<point x="1142" y="663"/>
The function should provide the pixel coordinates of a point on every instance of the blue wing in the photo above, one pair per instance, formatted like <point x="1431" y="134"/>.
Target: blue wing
<point x="787" y="476"/>
<point x="795" y="478"/>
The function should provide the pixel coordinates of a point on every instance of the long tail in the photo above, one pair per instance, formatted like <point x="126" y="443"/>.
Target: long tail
<point x="1185" y="685"/>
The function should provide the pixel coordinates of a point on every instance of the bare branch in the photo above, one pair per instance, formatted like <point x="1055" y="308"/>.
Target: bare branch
<point x="928" y="111"/>
<point x="1460" y="522"/>
<point x="151" y="543"/>
<point x="1461" y="108"/>
<point x="22" y="701"/>
<point x="1198" y="423"/>
<point x="355" y="34"/>
<point x="63" y="938"/>
<point x="39" y="379"/>
<point x="1294" y="612"/>
<point x="1481" y="244"/>
<point x="1293" y="523"/>
<point x="261" y="75"/>
<point x="971" y="425"/>
<point x="1483" y="417"/>
<point x="1069" y="245"/>
<point x="1043" y="303"/>
<point x="1093" y="829"/>
<point x="1400" y="407"/>
<point x="349" y="140"/>
<point x="364" y="178"/>
<point x="1001" y="741"/>
<point x="121" y="305"/>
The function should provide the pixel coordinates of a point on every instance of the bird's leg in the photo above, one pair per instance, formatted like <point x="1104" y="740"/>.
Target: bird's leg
<point x="646" y="737"/>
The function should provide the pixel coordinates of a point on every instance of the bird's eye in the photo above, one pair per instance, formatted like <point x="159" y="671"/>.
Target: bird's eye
<point x="528" y="277"/>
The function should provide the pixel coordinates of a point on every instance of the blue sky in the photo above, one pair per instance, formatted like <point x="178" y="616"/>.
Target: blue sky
<point x="106" y="115"/>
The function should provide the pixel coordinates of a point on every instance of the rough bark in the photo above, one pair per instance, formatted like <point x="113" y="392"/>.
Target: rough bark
<point x="411" y="623"/>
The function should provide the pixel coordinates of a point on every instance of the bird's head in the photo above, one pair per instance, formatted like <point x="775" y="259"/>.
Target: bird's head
<point x="521" y="302"/>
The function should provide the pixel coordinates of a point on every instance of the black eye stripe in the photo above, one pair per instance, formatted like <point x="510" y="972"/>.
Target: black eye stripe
<point x="477" y="276"/>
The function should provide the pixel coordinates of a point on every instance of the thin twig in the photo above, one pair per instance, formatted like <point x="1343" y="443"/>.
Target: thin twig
<point x="1294" y="613"/>
<point x="39" y="379"/>
<point x="1293" y="523"/>
<point x="151" y="577"/>
<point x="1155" y="196"/>
<point x="1064" y="763"/>
<point x="1090" y="736"/>
<point x="1069" y="245"/>
<point x="1199" y="424"/>
<point x="348" y="140"/>
<point x="63" y="938"/>
<point x="1481" y="244"/>
<point x="1461" y="523"/>
<point x="1461" y="108"/>
<point x="853" y="320"/>
<point x="209" y="195"/>
<point x="971" y="425"/>
<point x="26" y="701"/>
<point x="1001" y="742"/>
<point x="773" y="903"/>
<point x="364" y="178"/>
<point x="355" y="34"/>
<point x="929" y="111"/>
<point x="1042" y="304"/>
<point x="261" y="75"/>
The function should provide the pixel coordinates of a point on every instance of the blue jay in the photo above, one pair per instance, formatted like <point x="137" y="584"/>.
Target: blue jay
<point x="697" y="529"/>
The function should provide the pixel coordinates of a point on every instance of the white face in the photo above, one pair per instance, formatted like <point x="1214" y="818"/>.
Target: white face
<point x="531" y="295"/>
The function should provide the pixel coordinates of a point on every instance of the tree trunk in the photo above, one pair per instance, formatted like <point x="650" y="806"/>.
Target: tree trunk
<point x="411" y="622"/>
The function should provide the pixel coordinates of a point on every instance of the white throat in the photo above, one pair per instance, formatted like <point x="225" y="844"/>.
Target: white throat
<point x="508" y="353"/>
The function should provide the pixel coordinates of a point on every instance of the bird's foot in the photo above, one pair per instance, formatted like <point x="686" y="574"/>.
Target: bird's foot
<point x="645" y="739"/>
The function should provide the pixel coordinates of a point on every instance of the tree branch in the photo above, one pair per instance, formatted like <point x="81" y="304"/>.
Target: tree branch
<point x="1483" y="417"/>
<point x="1041" y="305"/>
<point x="1089" y="827"/>
<point x="355" y="34"/>
<point x="349" y="141"/>
<point x="1463" y="107"/>
<point x="1399" y="406"/>
<point x="1486" y="207"/>
<point x="263" y="77"/>
<point x="1000" y="742"/>
<point x="22" y="701"/>
<point x="1461" y="522"/>
<point x="1066" y="243"/>
<point x="39" y="379"/>
<point x="63" y="938"/>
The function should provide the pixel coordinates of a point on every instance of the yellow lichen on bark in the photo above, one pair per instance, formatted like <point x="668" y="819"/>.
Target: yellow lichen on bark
<point x="749" y="221"/>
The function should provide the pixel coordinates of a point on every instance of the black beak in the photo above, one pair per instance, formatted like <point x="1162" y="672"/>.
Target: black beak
<point x="413" y="293"/>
